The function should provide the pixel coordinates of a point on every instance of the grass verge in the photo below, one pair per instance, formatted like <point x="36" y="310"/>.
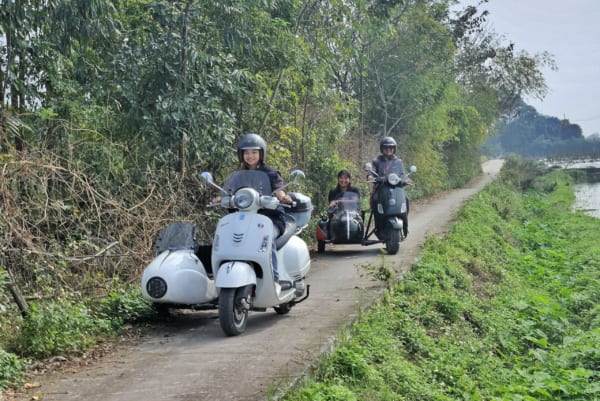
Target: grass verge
<point x="505" y="307"/>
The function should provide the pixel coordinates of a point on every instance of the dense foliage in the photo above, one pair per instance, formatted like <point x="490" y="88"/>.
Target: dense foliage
<point x="505" y="307"/>
<point x="109" y="109"/>
<point x="163" y="84"/>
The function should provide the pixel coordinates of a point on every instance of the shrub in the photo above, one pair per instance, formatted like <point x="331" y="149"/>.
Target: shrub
<point x="125" y="306"/>
<point x="323" y="392"/>
<point x="59" y="327"/>
<point x="12" y="370"/>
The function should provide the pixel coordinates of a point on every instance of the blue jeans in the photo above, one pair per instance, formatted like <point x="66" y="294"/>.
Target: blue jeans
<point x="274" y="253"/>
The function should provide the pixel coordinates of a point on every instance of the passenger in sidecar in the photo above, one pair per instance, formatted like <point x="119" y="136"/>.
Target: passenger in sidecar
<point x="345" y="192"/>
<point x="344" y="221"/>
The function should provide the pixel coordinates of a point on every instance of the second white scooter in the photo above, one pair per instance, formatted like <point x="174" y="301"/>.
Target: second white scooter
<point x="242" y="250"/>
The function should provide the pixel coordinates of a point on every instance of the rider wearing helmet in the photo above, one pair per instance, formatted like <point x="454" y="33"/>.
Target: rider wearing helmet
<point x="252" y="151"/>
<point x="251" y="141"/>
<point x="388" y="162"/>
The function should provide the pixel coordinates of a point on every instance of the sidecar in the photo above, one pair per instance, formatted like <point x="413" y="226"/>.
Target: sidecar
<point x="343" y="224"/>
<point x="179" y="276"/>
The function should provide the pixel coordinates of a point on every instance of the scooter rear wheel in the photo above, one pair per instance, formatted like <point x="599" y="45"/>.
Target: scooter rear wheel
<point x="283" y="309"/>
<point x="232" y="314"/>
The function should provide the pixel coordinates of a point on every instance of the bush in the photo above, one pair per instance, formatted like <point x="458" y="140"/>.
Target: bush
<point x="125" y="306"/>
<point x="59" y="327"/>
<point x="323" y="392"/>
<point x="12" y="370"/>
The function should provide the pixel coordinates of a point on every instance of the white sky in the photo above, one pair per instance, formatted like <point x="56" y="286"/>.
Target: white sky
<point x="570" y="31"/>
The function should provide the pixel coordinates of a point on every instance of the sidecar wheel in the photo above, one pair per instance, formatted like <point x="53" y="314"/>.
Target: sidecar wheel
<point x="232" y="314"/>
<point x="283" y="309"/>
<point x="320" y="246"/>
<point x="162" y="310"/>
<point x="392" y="242"/>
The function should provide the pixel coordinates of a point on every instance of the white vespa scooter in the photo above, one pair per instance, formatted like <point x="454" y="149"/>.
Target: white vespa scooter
<point x="241" y="250"/>
<point x="180" y="274"/>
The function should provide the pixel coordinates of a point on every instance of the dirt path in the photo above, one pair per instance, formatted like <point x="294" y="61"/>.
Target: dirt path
<point x="190" y="359"/>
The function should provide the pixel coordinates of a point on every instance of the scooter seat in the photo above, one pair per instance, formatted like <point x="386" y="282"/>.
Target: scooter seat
<point x="290" y="229"/>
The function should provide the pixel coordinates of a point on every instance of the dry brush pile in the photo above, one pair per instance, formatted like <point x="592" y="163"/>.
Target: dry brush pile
<point x="65" y="233"/>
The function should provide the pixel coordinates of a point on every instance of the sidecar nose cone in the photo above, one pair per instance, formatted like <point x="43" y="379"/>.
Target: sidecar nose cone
<point x="156" y="287"/>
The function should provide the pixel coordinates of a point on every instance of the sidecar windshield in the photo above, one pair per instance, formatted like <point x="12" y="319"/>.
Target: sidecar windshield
<point x="348" y="201"/>
<point x="177" y="235"/>
<point x="256" y="179"/>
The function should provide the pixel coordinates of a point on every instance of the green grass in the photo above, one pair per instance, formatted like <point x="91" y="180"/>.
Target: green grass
<point x="505" y="307"/>
<point x="67" y="327"/>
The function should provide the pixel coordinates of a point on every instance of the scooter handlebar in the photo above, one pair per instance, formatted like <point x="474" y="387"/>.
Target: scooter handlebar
<point x="289" y="205"/>
<point x="379" y="180"/>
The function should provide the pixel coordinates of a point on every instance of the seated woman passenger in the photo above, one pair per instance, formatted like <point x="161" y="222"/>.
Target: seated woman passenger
<point x="344" y="194"/>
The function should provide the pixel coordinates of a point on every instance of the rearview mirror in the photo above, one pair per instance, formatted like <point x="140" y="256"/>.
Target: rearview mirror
<point x="297" y="174"/>
<point x="206" y="176"/>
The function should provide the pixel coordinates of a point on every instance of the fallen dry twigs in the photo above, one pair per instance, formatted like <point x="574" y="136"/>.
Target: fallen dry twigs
<point x="62" y="230"/>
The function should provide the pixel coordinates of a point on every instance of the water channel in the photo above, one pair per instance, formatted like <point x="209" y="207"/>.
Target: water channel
<point x="587" y="195"/>
<point x="587" y="198"/>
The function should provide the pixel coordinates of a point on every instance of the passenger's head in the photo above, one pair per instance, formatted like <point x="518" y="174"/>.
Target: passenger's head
<point x="344" y="179"/>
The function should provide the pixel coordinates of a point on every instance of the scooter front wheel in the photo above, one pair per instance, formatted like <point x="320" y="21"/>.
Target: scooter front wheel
<point x="392" y="241"/>
<point x="233" y="315"/>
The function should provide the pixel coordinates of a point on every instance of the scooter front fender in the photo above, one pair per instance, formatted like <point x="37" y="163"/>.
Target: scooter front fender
<point x="235" y="274"/>
<point x="395" y="223"/>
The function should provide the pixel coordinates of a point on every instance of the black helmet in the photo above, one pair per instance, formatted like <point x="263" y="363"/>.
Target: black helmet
<point x="386" y="142"/>
<point x="252" y="141"/>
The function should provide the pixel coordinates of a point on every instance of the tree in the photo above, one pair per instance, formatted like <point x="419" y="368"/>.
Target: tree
<point x="483" y="62"/>
<point x="534" y="135"/>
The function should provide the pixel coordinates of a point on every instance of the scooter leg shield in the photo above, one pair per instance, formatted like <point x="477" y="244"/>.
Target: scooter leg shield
<point x="235" y="274"/>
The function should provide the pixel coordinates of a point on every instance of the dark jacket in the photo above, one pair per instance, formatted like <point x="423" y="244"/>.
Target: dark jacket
<point x="382" y="166"/>
<point x="276" y="183"/>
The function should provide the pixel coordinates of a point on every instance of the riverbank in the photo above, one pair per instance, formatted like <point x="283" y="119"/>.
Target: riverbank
<point x="504" y="307"/>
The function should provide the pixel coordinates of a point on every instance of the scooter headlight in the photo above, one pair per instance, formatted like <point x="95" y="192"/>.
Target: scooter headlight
<point x="393" y="179"/>
<point x="244" y="198"/>
<point x="156" y="287"/>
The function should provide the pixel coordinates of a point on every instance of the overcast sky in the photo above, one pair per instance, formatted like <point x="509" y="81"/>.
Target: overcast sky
<point x="570" y="31"/>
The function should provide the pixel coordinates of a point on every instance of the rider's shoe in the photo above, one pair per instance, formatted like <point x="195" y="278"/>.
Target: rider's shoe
<point x="285" y="285"/>
<point x="282" y="286"/>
